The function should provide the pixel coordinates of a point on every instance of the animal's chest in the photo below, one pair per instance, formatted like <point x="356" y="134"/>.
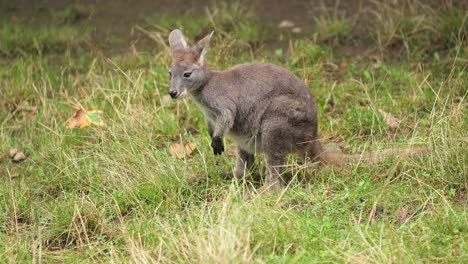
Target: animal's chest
<point x="207" y="112"/>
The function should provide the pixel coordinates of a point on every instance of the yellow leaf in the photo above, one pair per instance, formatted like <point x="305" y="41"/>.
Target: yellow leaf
<point x="83" y="118"/>
<point x="177" y="150"/>
<point x="94" y="116"/>
<point x="190" y="147"/>
<point x="180" y="151"/>
<point x="78" y="120"/>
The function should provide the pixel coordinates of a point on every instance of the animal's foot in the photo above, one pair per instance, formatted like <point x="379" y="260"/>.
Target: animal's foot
<point x="273" y="186"/>
<point x="217" y="145"/>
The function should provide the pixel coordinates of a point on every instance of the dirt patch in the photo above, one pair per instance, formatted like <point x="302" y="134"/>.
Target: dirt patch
<point x="113" y="21"/>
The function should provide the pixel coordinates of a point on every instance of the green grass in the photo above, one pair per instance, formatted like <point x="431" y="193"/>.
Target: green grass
<point x="114" y="193"/>
<point x="21" y="37"/>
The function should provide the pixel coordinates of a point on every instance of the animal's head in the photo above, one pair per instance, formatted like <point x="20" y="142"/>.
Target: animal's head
<point x="188" y="71"/>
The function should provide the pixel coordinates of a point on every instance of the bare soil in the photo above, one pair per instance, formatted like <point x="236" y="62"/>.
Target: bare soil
<point x="113" y="20"/>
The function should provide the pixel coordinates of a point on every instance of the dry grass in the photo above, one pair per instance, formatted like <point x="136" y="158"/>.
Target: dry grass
<point x="114" y="193"/>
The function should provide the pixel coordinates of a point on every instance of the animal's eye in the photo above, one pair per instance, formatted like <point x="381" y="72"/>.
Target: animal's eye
<point x="187" y="74"/>
<point x="170" y="74"/>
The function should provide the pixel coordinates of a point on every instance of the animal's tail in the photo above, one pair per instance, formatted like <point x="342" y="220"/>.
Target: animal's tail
<point x="340" y="160"/>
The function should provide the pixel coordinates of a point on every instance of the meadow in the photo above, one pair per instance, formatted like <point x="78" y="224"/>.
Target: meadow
<point x="114" y="193"/>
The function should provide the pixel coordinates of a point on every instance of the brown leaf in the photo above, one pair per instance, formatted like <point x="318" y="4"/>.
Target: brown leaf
<point x="14" y="175"/>
<point x="390" y="120"/>
<point x="19" y="156"/>
<point x="84" y="118"/>
<point x="79" y="120"/>
<point x="177" y="150"/>
<point x="180" y="151"/>
<point x="12" y="152"/>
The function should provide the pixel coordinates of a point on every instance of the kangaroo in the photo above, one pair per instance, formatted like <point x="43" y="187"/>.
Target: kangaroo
<point x="262" y="107"/>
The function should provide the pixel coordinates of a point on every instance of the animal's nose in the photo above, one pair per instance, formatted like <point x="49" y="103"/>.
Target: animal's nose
<point x="173" y="93"/>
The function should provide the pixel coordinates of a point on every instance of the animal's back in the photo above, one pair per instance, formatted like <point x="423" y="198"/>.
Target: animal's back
<point x="263" y="88"/>
<point x="263" y="79"/>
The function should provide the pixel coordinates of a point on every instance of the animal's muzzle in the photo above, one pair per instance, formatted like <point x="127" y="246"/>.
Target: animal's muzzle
<point x="173" y="94"/>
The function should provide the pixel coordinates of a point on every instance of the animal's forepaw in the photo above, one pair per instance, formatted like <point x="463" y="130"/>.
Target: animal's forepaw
<point x="217" y="145"/>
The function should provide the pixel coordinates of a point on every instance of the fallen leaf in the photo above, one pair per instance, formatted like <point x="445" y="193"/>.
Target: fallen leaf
<point x="286" y="24"/>
<point x="297" y="30"/>
<point x="83" y="118"/>
<point x="19" y="156"/>
<point x="94" y="116"/>
<point x="177" y="150"/>
<point x="14" y="175"/>
<point x="190" y="147"/>
<point x="12" y="152"/>
<point x="390" y="120"/>
<point x="78" y="120"/>
<point x="181" y="151"/>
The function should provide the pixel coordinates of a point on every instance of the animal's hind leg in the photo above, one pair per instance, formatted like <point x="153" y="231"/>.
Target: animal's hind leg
<point x="244" y="163"/>
<point x="276" y="145"/>
<point x="275" y="167"/>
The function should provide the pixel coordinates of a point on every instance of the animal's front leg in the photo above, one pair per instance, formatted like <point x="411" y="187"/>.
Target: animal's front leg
<point x="210" y="126"/>
<point x="216" y="143"/>
<point x="223" y="124"/>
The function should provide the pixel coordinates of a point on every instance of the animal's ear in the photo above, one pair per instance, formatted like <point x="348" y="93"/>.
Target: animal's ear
<point x="200" y="49"/>
<point x="177" y="40"/>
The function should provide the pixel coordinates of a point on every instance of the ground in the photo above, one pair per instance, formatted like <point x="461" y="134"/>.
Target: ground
<point x="129" y="191"/>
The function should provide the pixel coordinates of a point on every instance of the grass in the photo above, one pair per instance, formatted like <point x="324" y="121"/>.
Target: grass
<point x="22" y="37"/>
<point x="416" y="30"/>
<point x="114" y="193"/>
<point x="330" y="27"/>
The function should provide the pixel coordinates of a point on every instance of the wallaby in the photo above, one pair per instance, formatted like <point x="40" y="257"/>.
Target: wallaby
<point x="262" y="107"/>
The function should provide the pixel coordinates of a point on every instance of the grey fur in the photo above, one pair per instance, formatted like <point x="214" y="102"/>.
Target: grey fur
<point x="262" y="107"/>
